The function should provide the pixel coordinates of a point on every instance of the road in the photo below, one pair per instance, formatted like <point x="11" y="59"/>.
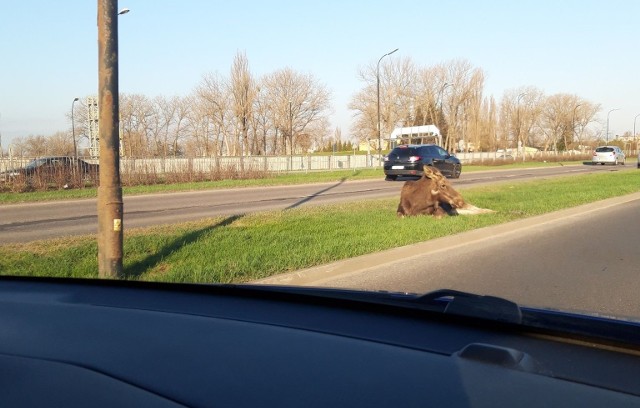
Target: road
<point x="584" y="259"/>
<point x="28" y="222"/>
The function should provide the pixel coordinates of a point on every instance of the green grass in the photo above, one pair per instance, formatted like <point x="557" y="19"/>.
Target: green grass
<point x="275" y="180"/>
<point x="243" y="248"/>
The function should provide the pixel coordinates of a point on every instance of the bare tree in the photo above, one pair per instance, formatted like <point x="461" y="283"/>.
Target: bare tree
<point x="487" y="134"/>
<point x="169" y="124"/>
<point x="556" y="119"/>
<point x="157" y="125"/>
<point x="448" y="95"/>
<point x="198" y="143"/>
<point x="563" y="120"/>
<point x="137" y="118"/>
<point x="60" y="144"/>
<point x="431" y="86"/>
<point x="242" y="89"/>
<point x="519" y="118"/>
<point x="398" y="94"/>
<point x="365" y="115"/>
<point x="398" y="98"/>
<point x="464" y="100"/>
<point x="300" y="106"/>
<point x="262" y="124"/>
<point x="30" y="146"/>
<point x="214" y="107"/>
<point x="180" y="124"/>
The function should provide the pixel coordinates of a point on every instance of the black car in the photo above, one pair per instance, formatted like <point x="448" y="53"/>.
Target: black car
<point x="55" y="165"/>
<point x="407" y="160"/>
<point x="64" y="170"/>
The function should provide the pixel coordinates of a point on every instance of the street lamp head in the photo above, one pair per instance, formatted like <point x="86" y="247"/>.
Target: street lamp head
<point x="123" y="11"/>
<point x="389" y="53"/>
<point x="378" y="100"/>
<point x="76" y="99"/>
<point x="607" y="134"/>
<point x="615" y="109"/>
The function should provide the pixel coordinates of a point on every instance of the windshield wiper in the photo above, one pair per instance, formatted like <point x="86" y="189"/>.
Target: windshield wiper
<point x="471" y="305"/>
<point x="447" y="301"/>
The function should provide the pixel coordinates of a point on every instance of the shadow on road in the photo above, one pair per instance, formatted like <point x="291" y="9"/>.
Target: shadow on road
<point x="314" y="195"/>
<point x="135" y="270"/>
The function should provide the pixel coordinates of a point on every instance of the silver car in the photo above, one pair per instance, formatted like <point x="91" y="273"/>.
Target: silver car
<point x="608" y="154"/>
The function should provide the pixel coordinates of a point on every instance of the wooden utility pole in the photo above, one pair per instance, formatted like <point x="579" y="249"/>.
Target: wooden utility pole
<point x="110" y="207"/>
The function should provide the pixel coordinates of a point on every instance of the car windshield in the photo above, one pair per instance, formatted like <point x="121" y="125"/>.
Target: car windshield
<point x="253" y="143"/>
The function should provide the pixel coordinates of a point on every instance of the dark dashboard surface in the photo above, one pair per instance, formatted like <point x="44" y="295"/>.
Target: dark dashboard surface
<point x="106" y="343"/>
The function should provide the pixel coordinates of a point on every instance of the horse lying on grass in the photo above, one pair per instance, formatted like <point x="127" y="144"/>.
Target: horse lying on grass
<point x="433" y="195"/>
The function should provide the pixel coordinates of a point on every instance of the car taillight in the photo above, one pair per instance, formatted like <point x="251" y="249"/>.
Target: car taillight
<point x="414" y="158"/>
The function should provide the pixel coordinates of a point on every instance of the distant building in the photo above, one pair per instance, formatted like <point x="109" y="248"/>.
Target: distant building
<point x="371" y="145"/>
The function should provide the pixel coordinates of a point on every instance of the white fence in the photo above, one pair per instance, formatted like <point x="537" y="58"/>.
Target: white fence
<point x="208" y="164"/>
<point x="261" y="163"/>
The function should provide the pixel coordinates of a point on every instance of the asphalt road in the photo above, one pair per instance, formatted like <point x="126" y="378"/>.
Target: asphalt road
<point x="585" y="259"/>
<point x="28" y="222"/>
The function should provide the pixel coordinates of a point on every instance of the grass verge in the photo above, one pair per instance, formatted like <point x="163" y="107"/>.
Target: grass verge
<point x="243" y="248"/>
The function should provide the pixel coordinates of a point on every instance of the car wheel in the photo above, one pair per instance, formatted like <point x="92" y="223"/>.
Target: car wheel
<point x="391" y="178"/>
<point x="457" y="169"/>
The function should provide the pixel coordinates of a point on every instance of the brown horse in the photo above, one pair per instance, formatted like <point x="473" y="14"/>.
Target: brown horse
<point x="428" y="195"/>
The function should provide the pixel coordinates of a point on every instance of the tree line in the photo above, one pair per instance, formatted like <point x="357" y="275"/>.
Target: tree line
<point x="287" y="112"/>
<point x="451" y="96"/>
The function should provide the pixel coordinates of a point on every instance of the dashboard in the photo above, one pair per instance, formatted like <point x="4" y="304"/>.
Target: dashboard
<point x="73" y="343"/>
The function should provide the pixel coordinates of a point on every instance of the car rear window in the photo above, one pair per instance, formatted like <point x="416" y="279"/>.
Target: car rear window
<point x="604" y="149"/>
<point x="430" y="151"/>
<point x="403" y="152"/>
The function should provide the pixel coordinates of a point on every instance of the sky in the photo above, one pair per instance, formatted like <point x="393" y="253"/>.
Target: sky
<point x="49" y="55"/>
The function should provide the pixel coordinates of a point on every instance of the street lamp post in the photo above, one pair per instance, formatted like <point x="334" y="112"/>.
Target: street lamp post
<point x="518" y="120"/>
<point x="440" y="100"/>
<point x="607" y="135"/>
<point x="290" y="135"/>
<point x="73" y="129"/>
<point x="573" y="124"/>
<point x="378" y="89"/>
<point x="634" y="129"/>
